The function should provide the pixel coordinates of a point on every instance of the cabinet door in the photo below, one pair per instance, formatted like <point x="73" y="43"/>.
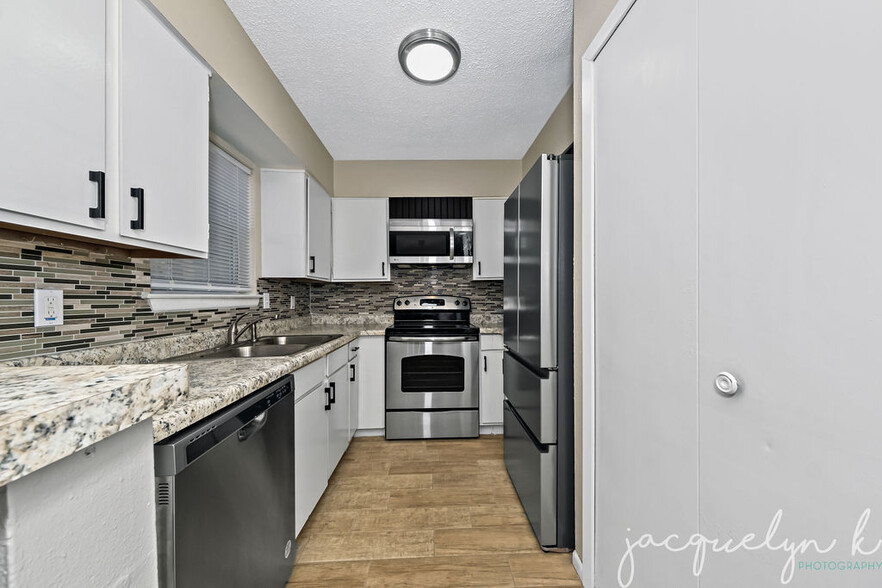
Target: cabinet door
<point x="790" y="284"/>
<point x="52" y="112"/>
<point x="283" y="224"/>
<point x="338" y="417"/>
<point x="489" y="216"/>
<point x="491" y="387"/>
<point x="360" y="239"/>
<point x="372" y="383"/>
<point x="163" y="108"/>
<point x="310" y="453"/>
<point x="353" y="396"/>
<point x="318" y="261"/>
<point x="646" y="299"/>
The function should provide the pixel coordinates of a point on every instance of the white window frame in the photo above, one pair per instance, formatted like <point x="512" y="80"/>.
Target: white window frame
<point x="204" y="297"/>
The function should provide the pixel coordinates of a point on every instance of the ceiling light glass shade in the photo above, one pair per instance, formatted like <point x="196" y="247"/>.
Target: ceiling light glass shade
<point x="429" y="56"/>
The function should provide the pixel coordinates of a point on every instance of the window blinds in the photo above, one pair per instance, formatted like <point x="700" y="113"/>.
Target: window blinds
<point x="228" y="267"/>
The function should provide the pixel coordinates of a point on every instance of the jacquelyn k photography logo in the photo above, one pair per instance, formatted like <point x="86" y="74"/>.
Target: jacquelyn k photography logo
<point x="797" y="554"/>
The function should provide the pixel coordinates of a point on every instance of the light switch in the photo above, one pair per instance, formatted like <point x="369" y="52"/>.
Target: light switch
<point x="292" y="302"/>
<point x="48" y="307"/>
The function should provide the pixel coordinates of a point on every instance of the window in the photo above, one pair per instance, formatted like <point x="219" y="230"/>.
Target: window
<point x="227" y="270"/>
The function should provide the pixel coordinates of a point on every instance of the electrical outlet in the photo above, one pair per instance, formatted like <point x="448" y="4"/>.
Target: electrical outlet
<point x="266" y="300"/>
<point x="48" y="307"/>
<point x="292" y="302"/>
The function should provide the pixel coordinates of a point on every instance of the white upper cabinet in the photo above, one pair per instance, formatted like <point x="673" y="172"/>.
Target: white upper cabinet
<point x="295" y="214"/>
<point x="488" y="217"/>
<point x="96" y="102"/>
<point x="52" y="114"/>
<point x="163" y="135"/>
<point x="360" y="229"/>
<point x="318" y="209"/>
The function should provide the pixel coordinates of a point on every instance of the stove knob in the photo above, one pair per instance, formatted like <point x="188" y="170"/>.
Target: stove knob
<point x="398" y="303"/>
<point x="457" y="303"/>
<point x="407" y="302"/>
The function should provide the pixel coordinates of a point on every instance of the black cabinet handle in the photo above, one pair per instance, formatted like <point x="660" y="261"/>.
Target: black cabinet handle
<point x="98" y="178"/>
<point x="479" y="268"/>
<point x="138" y="223"/>
<point x="485" y="363"/>
<point x="333" y="392"/>
<point x="327" y="399"/>
<point x="383" y="268"/>
<point x="352" y="375"/>
<point x="312" y="264"/>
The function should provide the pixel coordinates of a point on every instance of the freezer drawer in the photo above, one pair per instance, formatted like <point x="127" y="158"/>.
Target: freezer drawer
<point x="534" y="397"/>
<point x="533" y="471"/>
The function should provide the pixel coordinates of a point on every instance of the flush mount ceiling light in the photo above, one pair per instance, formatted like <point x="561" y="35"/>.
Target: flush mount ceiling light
<point x="429" y="56"/>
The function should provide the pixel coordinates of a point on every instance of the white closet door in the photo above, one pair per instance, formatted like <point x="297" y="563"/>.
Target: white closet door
<point x="646" y="299"/>
<point x="52" y="110"/>
<point x="791" y="280"/>
<point x="163" y="134"/>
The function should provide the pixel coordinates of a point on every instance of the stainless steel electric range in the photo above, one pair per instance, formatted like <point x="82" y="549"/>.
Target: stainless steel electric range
<point x="432" y="353"/>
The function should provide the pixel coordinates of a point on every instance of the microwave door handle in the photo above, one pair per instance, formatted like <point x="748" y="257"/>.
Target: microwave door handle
<point x="452" y="244"/>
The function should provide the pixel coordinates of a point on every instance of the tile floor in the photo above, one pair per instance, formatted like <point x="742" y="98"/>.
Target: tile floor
<point x="424" y="514"/>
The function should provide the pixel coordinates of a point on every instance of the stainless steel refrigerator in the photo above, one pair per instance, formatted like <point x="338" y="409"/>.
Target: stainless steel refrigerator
<point x="538" y="333"/>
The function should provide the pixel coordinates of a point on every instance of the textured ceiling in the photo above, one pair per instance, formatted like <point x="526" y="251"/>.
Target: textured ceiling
<point x="338" y="59"/>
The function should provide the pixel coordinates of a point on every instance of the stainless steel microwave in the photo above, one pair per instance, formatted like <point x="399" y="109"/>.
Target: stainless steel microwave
<point x="431" y="241"/>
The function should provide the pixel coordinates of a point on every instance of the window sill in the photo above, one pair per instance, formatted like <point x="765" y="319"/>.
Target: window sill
<point x="181" y="302"/>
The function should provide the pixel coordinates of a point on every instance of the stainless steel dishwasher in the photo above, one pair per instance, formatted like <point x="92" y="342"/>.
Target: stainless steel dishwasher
<point x="225" y="496"/>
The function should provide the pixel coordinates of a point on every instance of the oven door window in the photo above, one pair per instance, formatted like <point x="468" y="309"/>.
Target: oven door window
<point x="433" y="373"/>
<point x="419" y="244"/>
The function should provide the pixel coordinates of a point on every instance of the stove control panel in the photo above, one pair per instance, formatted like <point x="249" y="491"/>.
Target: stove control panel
<point x="431" y="303"/>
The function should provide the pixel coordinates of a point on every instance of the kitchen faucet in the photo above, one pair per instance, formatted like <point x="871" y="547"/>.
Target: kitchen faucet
<point x="234" y="333"/>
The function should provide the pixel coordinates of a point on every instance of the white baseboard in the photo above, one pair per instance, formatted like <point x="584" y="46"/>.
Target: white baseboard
<point x="370" y="432"/>
<point x="491" y="430"/>
<point x="577" y="563"/>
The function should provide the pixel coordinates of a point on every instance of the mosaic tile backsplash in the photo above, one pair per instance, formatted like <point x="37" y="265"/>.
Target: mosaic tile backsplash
<point x="103" y="305"/>
<point x="376" y="297"/>
<point x="102" y="297"/>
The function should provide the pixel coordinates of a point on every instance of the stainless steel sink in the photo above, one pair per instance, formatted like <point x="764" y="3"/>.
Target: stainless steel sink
<point x="309" y="340"/>
<point x="263" y="347"/>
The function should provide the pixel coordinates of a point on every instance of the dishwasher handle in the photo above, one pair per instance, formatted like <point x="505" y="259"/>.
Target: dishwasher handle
<point x="253" y="426"/>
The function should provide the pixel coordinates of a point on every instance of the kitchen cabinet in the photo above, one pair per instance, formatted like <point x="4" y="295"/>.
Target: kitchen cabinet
<point x="360" y="234"/>
<point x="132" y="101"/>
<point x="318" y="208"/>
<point x="753" y="260"/>
<point x="488" y="216"/>
<point x="372" y="383"/>
<point x="311" y="452"/>
<point x="338" y="416"/>
<point x="491" y="383"/>
<point x="295" y="214"/>
<point x="46" y="172"/>
<point x="353" y="395"/>
<point x="163" y="123"/>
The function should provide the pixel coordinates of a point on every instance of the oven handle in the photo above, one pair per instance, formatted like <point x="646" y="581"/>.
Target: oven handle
<point x="396" y="338"/>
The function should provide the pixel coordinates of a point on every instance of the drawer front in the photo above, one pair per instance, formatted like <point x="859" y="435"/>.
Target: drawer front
<point x="308" y="377"/>
<point x="491" y="342"/>
<point x="337" y="359"/>
<point x="353" y="349"/>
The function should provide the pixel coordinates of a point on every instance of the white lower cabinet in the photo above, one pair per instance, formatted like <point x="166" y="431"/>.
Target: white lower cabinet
<point x="310" y="452"/>
<point x="338" y="416"/>
<point x="491" y="379"/>
<point x="353" y="396"/>
<point x="372" y="382"/>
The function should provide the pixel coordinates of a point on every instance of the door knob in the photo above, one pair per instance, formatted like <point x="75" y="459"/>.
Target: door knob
<point x="726" y="384"/>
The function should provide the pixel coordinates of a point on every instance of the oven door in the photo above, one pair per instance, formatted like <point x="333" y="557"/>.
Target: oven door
<point x="432" y="372"/>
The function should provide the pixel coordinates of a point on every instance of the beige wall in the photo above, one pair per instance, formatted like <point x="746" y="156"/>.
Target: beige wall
<point x="555" y="136"/>
<point x="588" y="16"/>
<point x="426" y="178"/>
<point x="210" y="27"/>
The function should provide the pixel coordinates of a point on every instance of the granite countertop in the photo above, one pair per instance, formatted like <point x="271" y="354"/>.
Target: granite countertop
<point x="48" y="413"/>
<point x="215" y="384"/>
